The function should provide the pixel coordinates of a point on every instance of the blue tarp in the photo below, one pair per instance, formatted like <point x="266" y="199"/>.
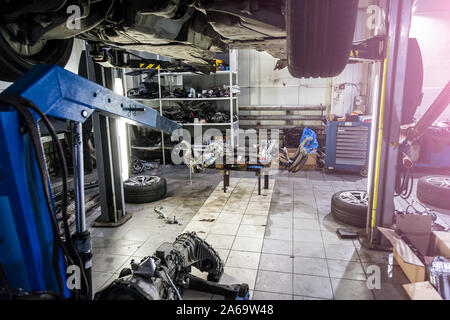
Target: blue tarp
<point x="313" y="145"/>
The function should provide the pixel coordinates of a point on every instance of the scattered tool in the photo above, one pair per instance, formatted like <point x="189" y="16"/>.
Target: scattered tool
<point x="162" y="215"/>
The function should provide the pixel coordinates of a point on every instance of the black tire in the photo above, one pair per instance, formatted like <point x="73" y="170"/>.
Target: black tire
<point x="349" y="213"/>
<point x="143" y="193"/>
<point x="319" y="36"/>
<point x="429" y="192"/>
<point x="15" y="65"/>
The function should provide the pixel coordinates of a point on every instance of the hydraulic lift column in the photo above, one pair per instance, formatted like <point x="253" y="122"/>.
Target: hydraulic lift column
<point x="108" y="162"/>
<point x="388" y="120"/>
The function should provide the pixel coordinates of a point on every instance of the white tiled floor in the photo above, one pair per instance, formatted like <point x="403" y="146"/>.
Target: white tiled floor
<point x="239" y="228"/>
<point x="283" y="243"/>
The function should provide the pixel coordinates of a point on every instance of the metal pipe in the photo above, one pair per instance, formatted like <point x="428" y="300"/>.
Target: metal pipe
<point x="434" y="111"/>
<point x="78" y="168"/>
<point x="281" y="117"/>
<point x="373" y="190"/>
<point x="283" y="108"/>
<point x="281" y="128"/>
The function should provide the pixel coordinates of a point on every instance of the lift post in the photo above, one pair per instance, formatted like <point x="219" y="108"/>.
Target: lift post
<point x="388" y="120"/>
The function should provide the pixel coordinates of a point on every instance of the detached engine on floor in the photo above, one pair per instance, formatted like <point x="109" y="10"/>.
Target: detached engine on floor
<point x="166" y="274"/>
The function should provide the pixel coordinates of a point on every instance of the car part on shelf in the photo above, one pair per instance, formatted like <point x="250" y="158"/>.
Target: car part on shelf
<point x="435" y="191"/>
<point x="149" y="90"/>
<point x="144" y="188"/>
<point x="166" y="274"/>
<point x="350" y="207"/>
<point x="203" y="111"/>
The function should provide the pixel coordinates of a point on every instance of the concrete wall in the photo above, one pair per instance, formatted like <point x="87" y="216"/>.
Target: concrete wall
<point x="431" y="26"/>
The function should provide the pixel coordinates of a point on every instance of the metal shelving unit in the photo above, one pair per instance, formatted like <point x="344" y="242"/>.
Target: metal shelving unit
<point x="198" y="81"/>
<point x="233" y="107"/>
<point x="186" y="99"/>
<point x="215" y="79"/>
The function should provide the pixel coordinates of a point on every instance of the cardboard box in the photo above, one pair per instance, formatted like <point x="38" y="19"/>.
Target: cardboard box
<point x="417" y="229"/>
<point x="421" y="291"/>
<point x="311" y="163"/>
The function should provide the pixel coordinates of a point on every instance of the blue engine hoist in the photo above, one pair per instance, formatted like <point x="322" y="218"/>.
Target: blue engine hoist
<point x="29" y="251"/>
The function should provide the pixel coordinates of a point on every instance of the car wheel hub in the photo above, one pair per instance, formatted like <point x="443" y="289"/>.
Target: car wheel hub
<point x="142" y="180"/>
<point x="443" y="182"/>
<point x="355" y="197"/>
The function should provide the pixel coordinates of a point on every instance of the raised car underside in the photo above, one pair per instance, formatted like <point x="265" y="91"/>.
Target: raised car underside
<point x="188" y="30"/>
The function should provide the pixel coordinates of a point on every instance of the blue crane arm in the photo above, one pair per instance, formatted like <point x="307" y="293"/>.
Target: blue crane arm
<point x="63" y="94"/>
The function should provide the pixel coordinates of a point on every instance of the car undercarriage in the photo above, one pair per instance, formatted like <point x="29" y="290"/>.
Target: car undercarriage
<point x="192" y="31"/>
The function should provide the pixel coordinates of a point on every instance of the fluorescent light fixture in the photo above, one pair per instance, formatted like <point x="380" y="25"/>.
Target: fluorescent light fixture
<point x="123" y="136"/>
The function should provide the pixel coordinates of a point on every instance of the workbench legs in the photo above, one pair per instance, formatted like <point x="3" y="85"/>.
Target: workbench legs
<point x="226" y="181"/>
<point x="266" y="182"/>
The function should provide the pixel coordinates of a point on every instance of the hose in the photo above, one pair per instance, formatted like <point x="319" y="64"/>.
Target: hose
<point x="172" y="285"/>
<point x="404" y="182"/>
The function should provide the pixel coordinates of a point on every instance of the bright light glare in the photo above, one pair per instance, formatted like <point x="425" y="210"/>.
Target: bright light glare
<point x="123" y="136"/>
